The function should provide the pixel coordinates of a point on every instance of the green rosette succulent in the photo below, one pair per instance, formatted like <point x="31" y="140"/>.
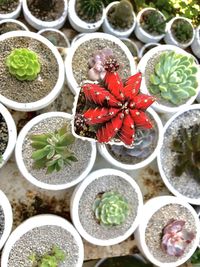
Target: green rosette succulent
<point x="24" y="64"/>
<point x="174" y="77"/>
<point x="111" y="209"/>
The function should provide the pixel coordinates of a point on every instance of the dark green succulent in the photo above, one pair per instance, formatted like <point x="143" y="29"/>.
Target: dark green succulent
<point x="91" y="8"/>
<point x="174" y="77"/>
<point x="1" y="158"/>
<point x="111" y="209"/>
<point x="182" y="30"/>
<point x="195" y="257"/>
<point x="187" y="147"/>
<point x="51" y="150"/>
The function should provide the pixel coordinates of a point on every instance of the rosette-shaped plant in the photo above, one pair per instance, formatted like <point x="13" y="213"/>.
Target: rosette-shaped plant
<point x="111" y="209"/>
<point x="174" y="77"/>
<point x="24" y="64"/>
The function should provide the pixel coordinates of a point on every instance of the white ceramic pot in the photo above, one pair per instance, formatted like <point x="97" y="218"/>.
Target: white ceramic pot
<point x="74" y="204"/>
<point x="16" y="22"/>
<point x="169" y="38"/>
<point x="107" y="27"/>
<point x="146" y="46"/>
<point x="13" y="15"/>
<point x="102" y="148"/>
<point x="12" y="134"/>
<point x="76" y="37"/>
<point x="142" y="66"/>
<point x="19" y="156"/>
<point x="131" y="43"/>
<point x="39" y="221"/>
<point x="74" y="87"/>
<point x="151" y="207"/>
<point x="81" y="25"/>
<point x="55" y="31"/>
<point x="45" y="101"/>
<point x="143" y="35"/>
<point x="193" y="201"/>
<point x="196" y="43"/>
<point x="40" y="24"/>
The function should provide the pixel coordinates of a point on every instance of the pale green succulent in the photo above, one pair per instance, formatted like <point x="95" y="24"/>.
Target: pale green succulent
<point x="174" y="77"/>
<point x="111" y="209"/>
<point x="52" y="150"/>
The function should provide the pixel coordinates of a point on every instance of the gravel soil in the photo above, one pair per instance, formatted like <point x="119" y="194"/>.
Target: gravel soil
<point x="10" y="26"/>
<point x="2" y="222"/>
<point x="8" y="6"/>
<point x="3" y="135"/>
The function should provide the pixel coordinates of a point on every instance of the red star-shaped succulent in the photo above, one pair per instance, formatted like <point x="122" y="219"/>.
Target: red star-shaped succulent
<point x="119" y="109"/>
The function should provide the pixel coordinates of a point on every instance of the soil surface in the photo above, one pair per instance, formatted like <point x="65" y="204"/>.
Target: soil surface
<point x="10" y="26"/>
<point x="8" y="6"/>
<point x="3" y="135"/>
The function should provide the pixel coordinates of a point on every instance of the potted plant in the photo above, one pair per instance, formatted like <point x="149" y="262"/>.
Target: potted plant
<point x="49" y="156"/>
<point x="178" y="158"/>
<point x="150" y="25"/>
<point x="111" y="202"/>
<point x="120" y="19"/>
<point x="165" y="77"/>
<point x="196" y="43"/>
<point x="179" y="32"/>
<point x="145" y="48"/>
<point x="8" y="25"/>
<point x="86" y="16"/>
<point x="76" y="37"/>
<point x="45" y="13"/>
<point x="10" y="9"/>
<point x="40" y="78"/>
<point x="43" y="240"/>
<point x="194" y="261"/>
<point x="81" y="62"/>
<point x="169" y="231"/>
<point x="132" y="46"/>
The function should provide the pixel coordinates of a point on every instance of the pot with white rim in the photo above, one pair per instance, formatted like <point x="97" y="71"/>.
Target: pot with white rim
<point x="109" y="28"/>
<point x="195" y="46"/>
<point x="149" y="35"/>
<point x="81" y="25"/>
<point x="173" y="38"/>
<point x="11" y="131"/>
<point x="145" y="48"/>
<point x="52" y="88"/>
<point x="132" y="46"/>
<point x="150" y="60"/>
<point x="75" y="165"/>
<point x="14" y="14"/>
<point x="161" y="216"/>
<point x="110" y="40"/>
<point x="65" y="42"/>
<point x="38" y="236"/>
<point x="181" y="181"/>
<point x="76" y="37"/>
<point x="39" y="24"/>
<point x="12" y="25"/>
<point x="87" y="214"/>
<point x="123" y="158"/>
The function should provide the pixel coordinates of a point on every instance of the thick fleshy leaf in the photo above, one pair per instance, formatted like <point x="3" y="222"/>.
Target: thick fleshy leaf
<point x="141" y="101"/>
<point x="133" y="85"/>
<point x="99" y="115"/>
<point x="127" y="131"/>
<point x="114" y="84"/>
<point x="140" y="119"/>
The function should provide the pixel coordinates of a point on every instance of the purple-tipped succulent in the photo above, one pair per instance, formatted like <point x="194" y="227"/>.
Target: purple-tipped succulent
<point x="175" y="239"/>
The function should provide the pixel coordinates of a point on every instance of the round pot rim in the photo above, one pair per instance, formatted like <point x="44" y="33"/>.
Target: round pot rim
<point x="78" y="193"/>
<point x="142" y="49"/>
<point x="39" y="221"/>
<point x="57" y="31"/>
<point x="150" y="208"/>
<point x="19" y="156"/>
<point x="132" y="43"/>
<point x="141" y="67"/>
<point x="175" y="192"/>
<point x="16" y="22"/>
<point x="14" y="13"/>
<point x="103" y="149"/>
<point x="60" y="80"/>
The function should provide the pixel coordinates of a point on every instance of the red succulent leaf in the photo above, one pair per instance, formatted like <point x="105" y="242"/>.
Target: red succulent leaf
<point x="141" y="102"/>
<point x="140" y="119"/>
<point x="132" y="86"/>
<point x="99" y="115"/>
<point x="115" y="85"/>
<point x="127" y="131"/>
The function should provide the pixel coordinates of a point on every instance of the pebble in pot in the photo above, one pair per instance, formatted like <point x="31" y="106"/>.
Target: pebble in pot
<point x="10" y="9"/>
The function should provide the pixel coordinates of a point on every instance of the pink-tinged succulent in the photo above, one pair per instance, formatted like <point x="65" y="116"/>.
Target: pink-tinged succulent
<point x="175" y="238"/>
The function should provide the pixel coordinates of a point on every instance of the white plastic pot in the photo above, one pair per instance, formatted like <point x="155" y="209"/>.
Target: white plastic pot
<point x="142" y="66"/>
<point x="131" y="43"/>
<point x="169" y="38"/>
<point x="81" y="25"/>
<point x="39" y="221"/>
<point x="45" y="101"/>
<point x="108" y="28"/>
<point x="22" y="166"/>
<point x="193" y="201"/>
<point x="76" y="37"/>
<point x="40" y="24"/>
<point x="196" y="43"/>
<point x="12" y="134"/>
<point x="102" y="148"/>
<point x="151" y="207"/>
<point x="146" y="46"/>
<point x="16" y="22"/>
<point x="13" y="15"/>
<point x="74" y="204"/>
<point x="74" y="87"/>
<point x="56" y="31"/>
<point x="143" y="35"/>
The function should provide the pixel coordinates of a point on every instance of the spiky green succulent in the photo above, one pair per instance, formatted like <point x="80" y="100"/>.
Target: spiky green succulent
<point x="187" y="147"/>
<point x="52" y="151"/>
<point x="111" y="209"/>
<point x="24" y="64"/>
<point x="174" y="77"/>
<point x="90" y="8"/>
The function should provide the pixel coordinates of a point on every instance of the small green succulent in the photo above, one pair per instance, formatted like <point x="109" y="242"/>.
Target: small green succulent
<point x="195" y="257"/>
<point x="90" y="8"/>
<point x="182" y="30"/>
<point x="174" y="77"/>
<point x="24" y="64"/>
<point x="187" y="147"/>
<point x="52" y="150"/>
<point x="111" y="209"/>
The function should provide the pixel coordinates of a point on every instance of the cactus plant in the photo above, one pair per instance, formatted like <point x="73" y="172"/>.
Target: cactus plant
<point x="182" y="30"/>
<point x="90" y="8"/>
<point x="111" y="209"/>
<point x="52" y="150"/>
<point x="24" y="64"/>
<point x="174" y="77"/>
<point x="187" y="147"/>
